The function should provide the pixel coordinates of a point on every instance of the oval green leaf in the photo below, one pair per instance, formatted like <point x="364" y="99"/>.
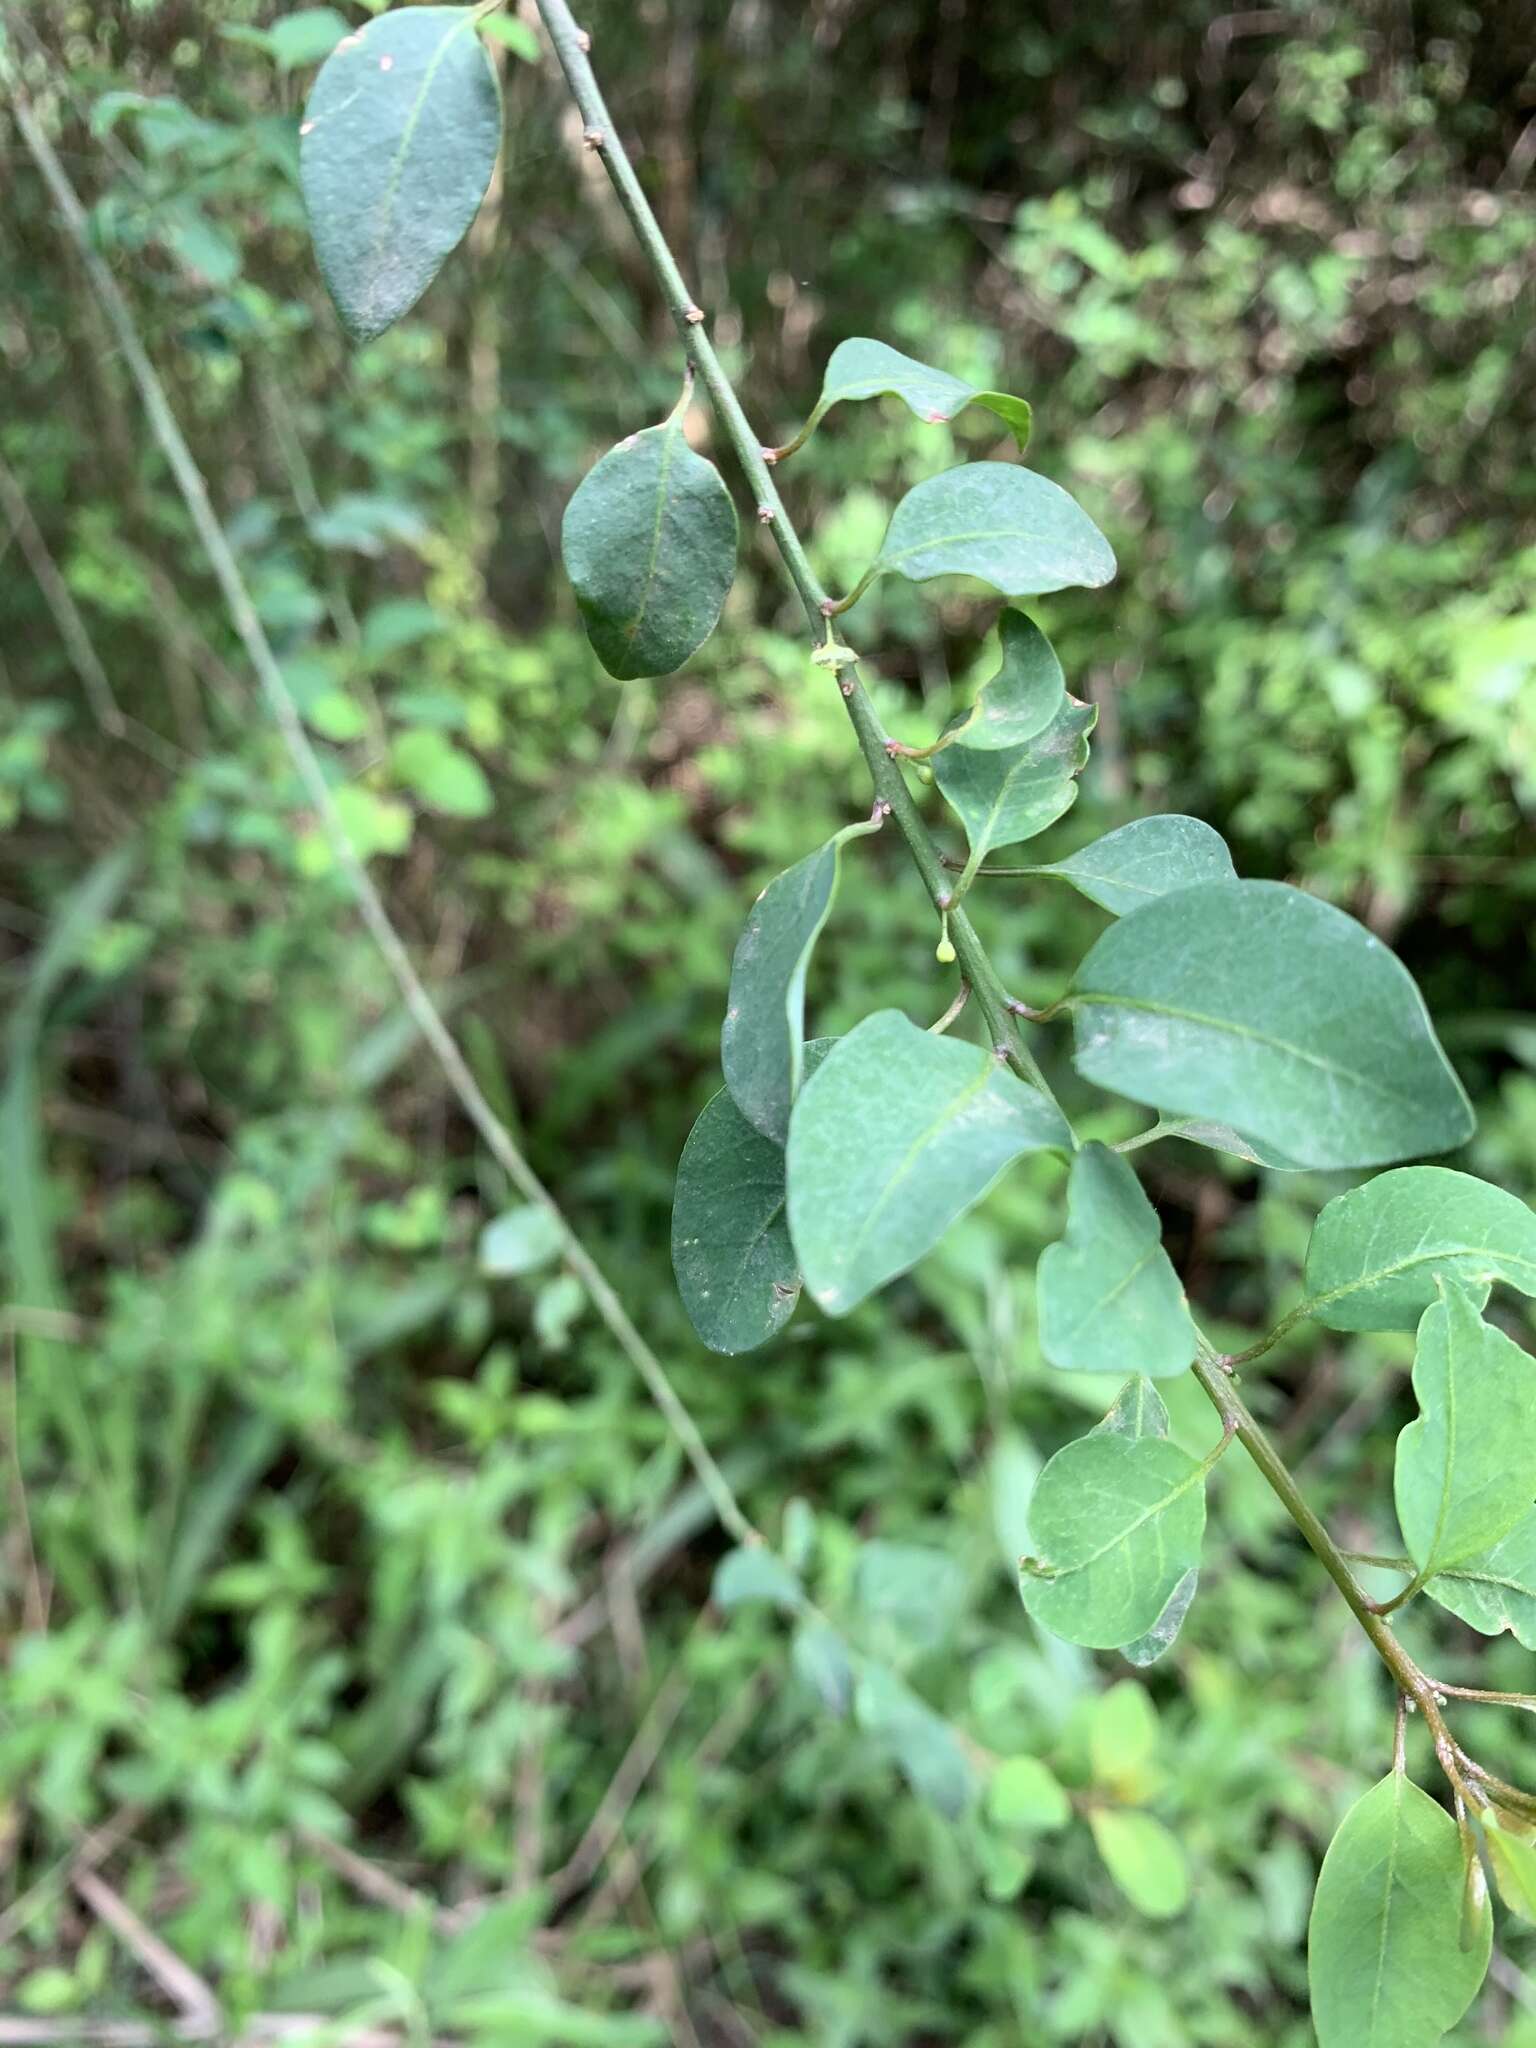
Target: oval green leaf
<point x="895" y="1136"/>
<point x="762" y="1038"/>
<point x="1144" y="1859"/>
<point x="1150" y="857"/>
<point x="1466" y="1469"/>
<point x="1009" y="526"/>
<point x="1384" y="1953"/>
<point x="1001" y="798"/>
<point x="861" y="368"/>
<point x="1117" y="1521"/>
<point x="398" y="143"/>
<point x="1109" y="1299"/>
<point x="1376" y="1252"/>
<point x="649" y="542"/>
<point x="1252" y="1004"/>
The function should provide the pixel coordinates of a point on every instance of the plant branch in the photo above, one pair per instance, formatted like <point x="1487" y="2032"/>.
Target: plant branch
<point x="413" y="993"/>
<point x="571" y="46"/>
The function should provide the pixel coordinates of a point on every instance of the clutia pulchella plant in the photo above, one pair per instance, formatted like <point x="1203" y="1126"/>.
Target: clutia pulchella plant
<point x="1250" y="1017"/>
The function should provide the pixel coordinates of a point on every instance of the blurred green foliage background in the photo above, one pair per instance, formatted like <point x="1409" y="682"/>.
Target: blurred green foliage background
<point x="355" y="1599"/>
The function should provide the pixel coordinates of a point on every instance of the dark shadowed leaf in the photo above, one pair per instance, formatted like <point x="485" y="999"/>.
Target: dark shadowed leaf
<point x="735" y="1267"/>
<point x="761" y="1040"/>
<point x="398" y="143"/>
<point x="649" y="542"/>
<point x="1252" y="1004"/>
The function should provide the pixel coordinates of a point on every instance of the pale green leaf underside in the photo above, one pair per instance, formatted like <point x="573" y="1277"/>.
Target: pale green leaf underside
<point x="1117" y="1522"/>
<point x="1150" y="857"/>
<point x="1375" y="1252"/>
<point x="1222" y="1138"/>
<point x="1003" y="797"/>
<point x="764" y="1028"/>
<point x="1022" y="696"/>
<point x="1009" y="526"/>
<point x="735" y="1266"/>
<point x="1164" y="1632"/>
<point x="1252" y="1004"/>
<point x="1496" y="1589"/>
<point x="870" y="369"/>
<point x="397" y="147"/>
<point x="1466" y="1470"/>
<point x="649" y="542"/>
<point x="1384" y="1954"/>
<point x="923" y="1744"/>
<point x="894" y="1137"/>
<point x="1109" y="1299"/>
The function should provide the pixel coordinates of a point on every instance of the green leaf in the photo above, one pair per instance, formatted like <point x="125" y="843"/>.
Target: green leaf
<point x="924" y="1746"/>
<point x="1466" y="1470"/>
<point x="1117" y="1520"/>
<point x="1011" y="527"/>
<point x="1222" y="1138"/>
<point x="752" y="1574"/>
<point x="1384" y="1954"/>
<point x="1144" y="1859"/>
<point x="1122" y="1739"/>
<point x="1139" y="1410"/>
<point x="1496" y="1589"/>
<point x="1004" y="797"/>
<point x="917" y="1589"/>
<point x="735" y="1266"/>
<point x="896" y="1135"/>
<point x="1021" y="698"/>
<point x="513" y="35"/>
<point x="761" y="1040"/>
<point x="1108" y="1295"/>
<point x="444" y="777"/>
<point x="1164" y="1632"/>
<point x="399" y="141"/>
<point x="520" y="1241"/>
<point x="820" y="1660"/>
<point x="649" y="541"/>
<point x="305" y="37"/>
<point x="1514" y="1871"/>
<point x="869" y="369"/>
<point x="1149" y="857"/>
<point x="1376" y="1252"/>
<point x="1024" y="1794"/>
<point x="1252" y="1004"/>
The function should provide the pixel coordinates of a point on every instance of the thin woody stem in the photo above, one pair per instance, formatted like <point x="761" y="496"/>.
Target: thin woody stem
<point x="571" y="46"/>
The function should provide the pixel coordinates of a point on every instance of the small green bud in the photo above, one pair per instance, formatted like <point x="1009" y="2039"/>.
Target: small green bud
<point x="944" y="953"/>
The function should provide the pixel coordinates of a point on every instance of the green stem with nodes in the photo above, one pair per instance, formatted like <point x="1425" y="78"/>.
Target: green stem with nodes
<point x="571" y="45"/>
<point x="1213" y="1372"/>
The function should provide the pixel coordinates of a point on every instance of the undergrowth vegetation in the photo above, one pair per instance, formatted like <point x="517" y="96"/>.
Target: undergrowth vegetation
<point x="356" y="1598"/>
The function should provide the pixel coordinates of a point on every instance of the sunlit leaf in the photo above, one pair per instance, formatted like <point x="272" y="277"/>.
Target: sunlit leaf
<point x="1466" y="1469"/>
<point x="1384" y="1955"/>
<point x="892" y="1139"/>
<point x="1375" y="1252"/>
<point x="1256" y="1005"/>
<point x="1108" y="1297"/>
<point x="869" y="369"/>
<point x="1143" y="1858"/>
<point x="1009" y="526"/>
<point x="1149" y="857"/>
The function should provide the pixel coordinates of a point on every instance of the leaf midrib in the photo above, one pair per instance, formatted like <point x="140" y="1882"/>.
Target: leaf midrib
<point x="397" y="169"/>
